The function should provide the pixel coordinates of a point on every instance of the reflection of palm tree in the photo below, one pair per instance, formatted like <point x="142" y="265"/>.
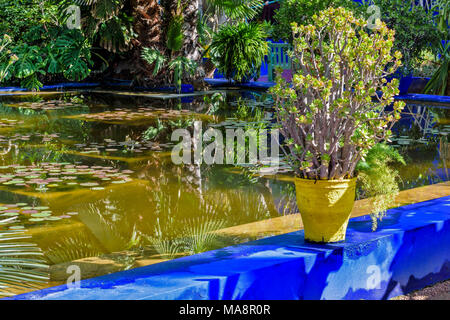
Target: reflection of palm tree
<point x="194" y="235"/>
<point x="72" y="247"/>
<point x="114" y="235"/>
<point x="199" y="235"/>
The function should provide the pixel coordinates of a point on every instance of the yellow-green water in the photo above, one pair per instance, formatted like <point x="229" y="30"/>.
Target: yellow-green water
<point x="87" y="177"/>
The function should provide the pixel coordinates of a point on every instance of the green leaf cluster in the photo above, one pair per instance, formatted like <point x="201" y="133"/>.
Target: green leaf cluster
<point x="238" y="50"/>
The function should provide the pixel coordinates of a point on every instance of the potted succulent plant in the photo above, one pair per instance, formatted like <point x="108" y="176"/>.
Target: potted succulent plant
<point x="336" y="109"/>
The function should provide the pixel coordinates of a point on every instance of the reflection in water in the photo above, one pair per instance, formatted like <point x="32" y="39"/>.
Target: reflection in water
<point x="163" y="210"/>
<point x="422" y="136"/>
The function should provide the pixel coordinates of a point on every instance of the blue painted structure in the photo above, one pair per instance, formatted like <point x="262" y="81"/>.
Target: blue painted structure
<point x="411" y="249"/>
<point x="60" y="86"/>
<point x="185" y="88"/>
<point x="258" y="85"/>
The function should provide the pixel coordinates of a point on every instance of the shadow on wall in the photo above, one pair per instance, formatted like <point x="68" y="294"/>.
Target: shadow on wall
<point x="369" y="265"/>
<point x="284" y="276"/>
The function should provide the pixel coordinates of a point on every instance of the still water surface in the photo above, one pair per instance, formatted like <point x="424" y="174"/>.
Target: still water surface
<point x="91" y="174"/>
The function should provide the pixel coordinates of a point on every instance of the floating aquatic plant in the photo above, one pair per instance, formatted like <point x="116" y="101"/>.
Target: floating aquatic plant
<point x="44" y="105"/>
<point x="122" y="114"/>
<point x="59" y="176"/>
<point x="8" y="123"/>
<point x="113" y="147"/>
<point x="29" y="214"/>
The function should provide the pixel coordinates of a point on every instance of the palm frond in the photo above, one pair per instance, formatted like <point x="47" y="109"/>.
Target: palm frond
<point x="21" y="263"/>
<point x="237" y="9"/>
<point x="72" y="247"/>
<point x="106" y="9"/>
<point x="114" y="35"/>
<point x="199" y="235"/>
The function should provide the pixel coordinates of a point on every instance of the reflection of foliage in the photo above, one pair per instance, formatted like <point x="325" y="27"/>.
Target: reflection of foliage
<point x="162" y="242"/>
<point x="215" y="102"/>
<point x="73" y="247"/>
<point x="49" y="153"/>
<point x="246" y="112"/>
<point x="199" y="234"/>
<point x="152" y="132"/>
<point x="444" y="152"/>
<point x="379" y="179"/>
<point x="288" y="200"/>
<point x="21" y="263"/>
<point x="112" y="231"/>
<point x="162" y="130"/>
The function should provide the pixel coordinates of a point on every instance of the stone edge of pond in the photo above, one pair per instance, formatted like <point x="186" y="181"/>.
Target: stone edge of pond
<point x="410" y="250"/>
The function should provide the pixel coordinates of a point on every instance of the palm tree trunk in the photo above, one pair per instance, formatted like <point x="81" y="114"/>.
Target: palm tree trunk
<point x="148" y="23"/>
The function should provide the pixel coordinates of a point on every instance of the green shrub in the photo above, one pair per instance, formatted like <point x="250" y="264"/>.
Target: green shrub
<point x="379" y="180"/>
<point x="41" y="48"/>
<point x="67" y="54"/>
<point x="301" y="12"/>
<point x="334" y="111"/>
<point x="238" y="50"/>
<point x="415" y="29"/>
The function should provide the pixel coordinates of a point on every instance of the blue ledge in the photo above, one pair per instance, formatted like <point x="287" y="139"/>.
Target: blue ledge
<point x="258" y="85"/>
<point x="185" y="88"/>
<point x="410" y="250"/>
<point x="60" y="86"/>
<point x="442" y="100"/>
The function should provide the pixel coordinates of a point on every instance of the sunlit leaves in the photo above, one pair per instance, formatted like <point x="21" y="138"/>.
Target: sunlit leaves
<point x="335" y="107"/>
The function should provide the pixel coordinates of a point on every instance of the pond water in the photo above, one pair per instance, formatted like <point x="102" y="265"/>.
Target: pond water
<point x="91" y="174"/>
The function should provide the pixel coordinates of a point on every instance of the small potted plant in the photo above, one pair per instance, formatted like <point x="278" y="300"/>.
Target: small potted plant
<point x="336" y="109"/>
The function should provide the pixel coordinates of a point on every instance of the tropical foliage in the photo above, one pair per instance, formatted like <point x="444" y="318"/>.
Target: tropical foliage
<point x="300" y="12"/>
<point x="44" y="49"/>
<point x="238" y="50"/>
<point x="328" y="127"/>
<point x="440" y="81"/>
<point x="379" y="179"/>
<point x="110" y="38"/>
<point x="414" y="26"/>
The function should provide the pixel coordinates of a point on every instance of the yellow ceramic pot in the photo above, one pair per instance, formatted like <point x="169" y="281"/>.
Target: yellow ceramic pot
<point x="325" y="207"/>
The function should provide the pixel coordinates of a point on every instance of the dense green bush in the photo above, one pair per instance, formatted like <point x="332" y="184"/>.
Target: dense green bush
<point x="415" y="29"/>
<point x="301" y="12"/>
<point x="238" y="50"/>
<point x="66" y="54"/>
<point x="44" y="48"/>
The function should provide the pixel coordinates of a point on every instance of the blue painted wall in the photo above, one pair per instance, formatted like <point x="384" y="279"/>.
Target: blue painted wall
<point x="410" y="250"/>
